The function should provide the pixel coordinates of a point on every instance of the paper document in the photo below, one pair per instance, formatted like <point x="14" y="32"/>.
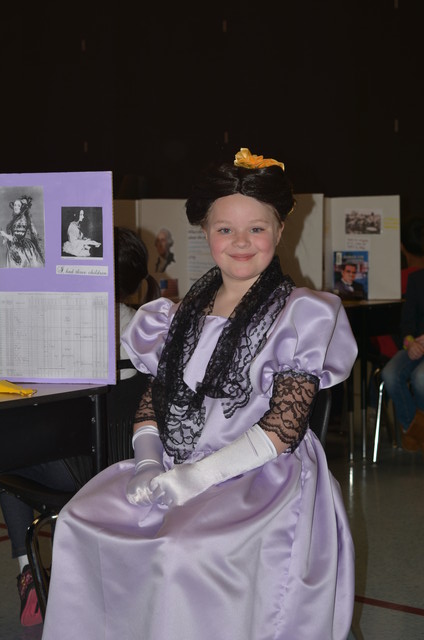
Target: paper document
<point x="47" y="335"/>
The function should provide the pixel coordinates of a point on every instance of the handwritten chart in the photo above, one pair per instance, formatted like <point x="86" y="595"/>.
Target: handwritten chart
<point x="47" y="335"/>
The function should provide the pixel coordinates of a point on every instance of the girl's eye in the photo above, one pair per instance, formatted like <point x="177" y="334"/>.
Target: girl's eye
<point x="257" y="229"/>
<point x="224" y="231"/>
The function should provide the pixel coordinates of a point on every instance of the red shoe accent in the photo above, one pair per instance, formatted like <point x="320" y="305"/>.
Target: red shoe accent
<point x="30" y="609"/>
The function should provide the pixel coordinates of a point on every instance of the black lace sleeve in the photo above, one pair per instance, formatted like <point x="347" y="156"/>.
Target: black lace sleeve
<point x="290" y="406"/>
<point x="145" y="409"/>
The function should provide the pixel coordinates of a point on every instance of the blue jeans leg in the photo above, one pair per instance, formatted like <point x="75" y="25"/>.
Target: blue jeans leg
<point x="417" y="384"/>
<point x="398" y="375"/>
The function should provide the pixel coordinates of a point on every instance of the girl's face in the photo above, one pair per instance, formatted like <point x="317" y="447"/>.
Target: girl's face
<point x="242" y="234"/>
<point x="17" y="206"/>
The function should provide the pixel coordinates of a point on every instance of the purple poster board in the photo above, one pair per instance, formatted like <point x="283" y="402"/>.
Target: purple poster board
<point x="57" y="301"/>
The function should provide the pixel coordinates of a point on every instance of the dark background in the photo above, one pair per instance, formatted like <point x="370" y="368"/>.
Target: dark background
<point x="155" y="91"/>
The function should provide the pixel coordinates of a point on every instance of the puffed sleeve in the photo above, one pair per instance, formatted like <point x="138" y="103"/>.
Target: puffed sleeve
<point x="144" y="337"/>
<point x="312" y="335"/>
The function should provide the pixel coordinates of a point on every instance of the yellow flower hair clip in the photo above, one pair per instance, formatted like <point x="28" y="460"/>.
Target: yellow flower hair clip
<point x="249" y="161"/>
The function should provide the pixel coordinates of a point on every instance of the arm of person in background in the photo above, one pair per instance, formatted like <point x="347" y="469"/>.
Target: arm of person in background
<point x="408" y="320"/>
<point x="413" y="339"/>
<point x="415" y="348"/>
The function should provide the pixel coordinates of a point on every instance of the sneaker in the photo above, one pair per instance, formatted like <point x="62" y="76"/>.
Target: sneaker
<point x="30" y="609"/>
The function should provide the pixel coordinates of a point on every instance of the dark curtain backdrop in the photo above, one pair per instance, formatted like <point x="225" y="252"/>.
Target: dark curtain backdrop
<point x="155" y="91"/>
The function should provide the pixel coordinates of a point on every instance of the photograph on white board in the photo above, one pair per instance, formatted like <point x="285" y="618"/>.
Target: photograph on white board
<point x="82" y="235"/>
<point x="163" y="244"/>
<point x="363" y="221"/>
<point x="350" y="275"/>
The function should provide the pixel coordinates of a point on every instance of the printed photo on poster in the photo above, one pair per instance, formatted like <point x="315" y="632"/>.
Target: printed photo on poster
<point x="363" y="221"/>
<point x="21" y="227"/>
<point x="163" y="244"/>
<point x="82" y="232"/>
<point x="350" y="275"/>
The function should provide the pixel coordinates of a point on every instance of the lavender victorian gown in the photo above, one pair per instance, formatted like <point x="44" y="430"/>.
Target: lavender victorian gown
<point x="264" y="556"/>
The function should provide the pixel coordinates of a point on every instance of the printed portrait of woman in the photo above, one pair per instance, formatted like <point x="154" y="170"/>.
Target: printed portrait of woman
<point x="81" y="230"/>
<point x="163" y="243"/>
<point x="23" y="244"/>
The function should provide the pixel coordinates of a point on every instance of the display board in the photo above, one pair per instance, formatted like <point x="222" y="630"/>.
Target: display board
<point x="57" y="302"/>
<point x="301" y="245"/>
<point x="178" y="251"/>
<point x="179" y="254"/>
<point x="368" y="226"/>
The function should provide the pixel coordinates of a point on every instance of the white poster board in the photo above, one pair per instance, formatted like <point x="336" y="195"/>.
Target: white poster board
<point x="301" y="245"/>
<point x="369" y="225"/>
<point x="300" y="249"/>
<point x="178" y="252"/>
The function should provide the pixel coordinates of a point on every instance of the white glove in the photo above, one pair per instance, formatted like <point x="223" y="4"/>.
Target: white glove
<point x="185" y="481"/>
<point x="148" y="452"/>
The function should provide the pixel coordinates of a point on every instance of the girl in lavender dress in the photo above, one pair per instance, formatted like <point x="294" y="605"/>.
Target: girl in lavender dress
<point x="227" y="523"/>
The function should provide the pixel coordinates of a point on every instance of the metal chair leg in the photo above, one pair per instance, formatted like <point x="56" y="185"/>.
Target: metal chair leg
<point x="350" y="403"/>
<point x="378" y="420"/>
<point x="39" y="573"/>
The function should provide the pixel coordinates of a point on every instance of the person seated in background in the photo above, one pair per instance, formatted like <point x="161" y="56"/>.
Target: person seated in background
<point x="412" y="248"/>
<point x="384" y="347"/>
<point x="403" y="375"/>
<point x="346" y="287"/>
<point x="131" y="270"/>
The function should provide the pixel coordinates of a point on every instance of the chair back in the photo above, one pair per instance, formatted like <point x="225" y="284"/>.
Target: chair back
<point x="122" y="401"/>
<point x="320" y="414"/>
<point x="64" y="429"/>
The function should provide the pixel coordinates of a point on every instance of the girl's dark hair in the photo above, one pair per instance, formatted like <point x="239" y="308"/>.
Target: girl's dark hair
<point x="131" y="259"/>
<point x="269" y="185"/>
<point x="26" y="204"/>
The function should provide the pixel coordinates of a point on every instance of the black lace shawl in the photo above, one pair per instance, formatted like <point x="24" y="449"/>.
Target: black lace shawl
<point x="179" y="410"/>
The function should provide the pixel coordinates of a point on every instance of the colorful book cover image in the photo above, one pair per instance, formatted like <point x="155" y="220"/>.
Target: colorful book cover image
<point x="350" y="274"/>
